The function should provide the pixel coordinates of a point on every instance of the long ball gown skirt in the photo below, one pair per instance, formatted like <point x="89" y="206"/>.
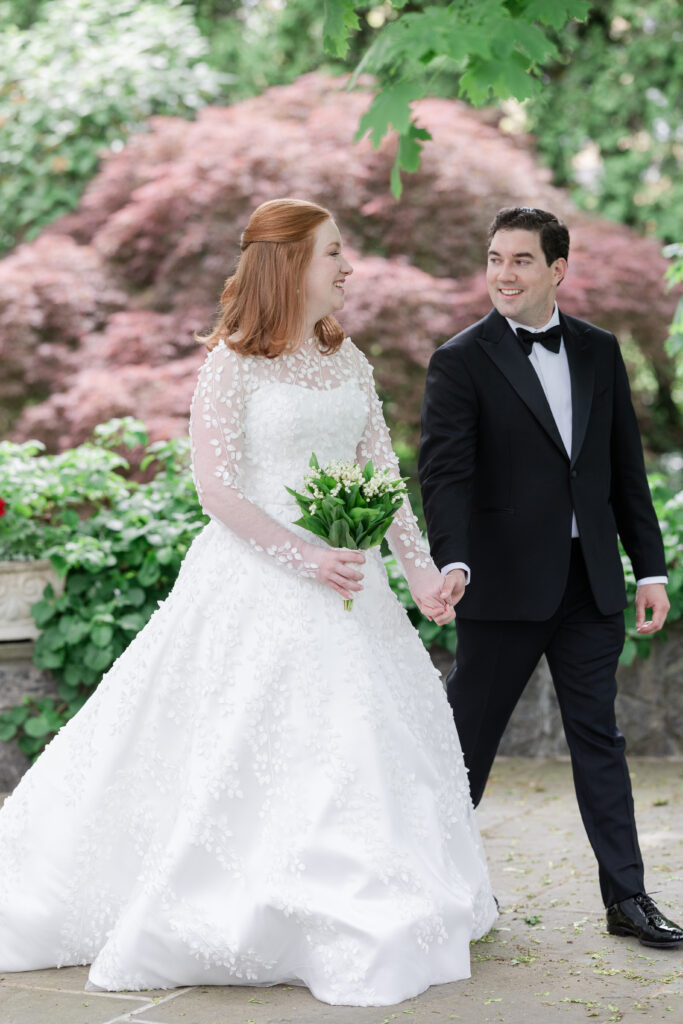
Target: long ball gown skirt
<point x="265" y="788"/>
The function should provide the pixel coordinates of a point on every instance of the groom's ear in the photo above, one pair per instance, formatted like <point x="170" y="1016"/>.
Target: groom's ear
<point x="559" y="269"/>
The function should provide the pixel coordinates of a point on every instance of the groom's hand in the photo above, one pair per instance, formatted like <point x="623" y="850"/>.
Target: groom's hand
<point x="453" y="586"/>
<point x="651" y="595"/>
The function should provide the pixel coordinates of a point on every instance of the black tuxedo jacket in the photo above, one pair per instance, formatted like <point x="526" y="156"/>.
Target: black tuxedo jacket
<point x="499" y="487"/>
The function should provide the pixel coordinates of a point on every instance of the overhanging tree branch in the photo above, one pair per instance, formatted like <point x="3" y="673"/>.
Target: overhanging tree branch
<point x="497" y="48"/>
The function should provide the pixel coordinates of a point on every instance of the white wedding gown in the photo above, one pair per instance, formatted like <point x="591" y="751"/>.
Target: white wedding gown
<point x="265" y="787"/>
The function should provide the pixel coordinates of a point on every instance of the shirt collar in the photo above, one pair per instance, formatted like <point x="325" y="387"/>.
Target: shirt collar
<point x="554" y="319"/>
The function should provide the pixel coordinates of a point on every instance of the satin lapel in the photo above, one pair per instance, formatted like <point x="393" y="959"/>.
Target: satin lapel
<point x="501" y="346"/>
<point x="581" y="358"/>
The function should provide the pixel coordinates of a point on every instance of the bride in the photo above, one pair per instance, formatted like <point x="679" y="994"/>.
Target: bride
<point x="265" y="788"/>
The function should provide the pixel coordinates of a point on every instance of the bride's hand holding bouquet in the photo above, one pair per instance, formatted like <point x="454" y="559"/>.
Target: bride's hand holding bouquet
<point x="351" y="508"/>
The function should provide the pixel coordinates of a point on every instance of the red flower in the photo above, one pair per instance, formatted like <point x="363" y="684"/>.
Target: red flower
<point x="3" y="507"/>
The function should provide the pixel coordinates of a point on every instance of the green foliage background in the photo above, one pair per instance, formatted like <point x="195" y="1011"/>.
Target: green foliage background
<point x="77" y="78"/>
<point x="616" y="95"/>
<point x="599" y="80"/>
<point x="119" y="543"/>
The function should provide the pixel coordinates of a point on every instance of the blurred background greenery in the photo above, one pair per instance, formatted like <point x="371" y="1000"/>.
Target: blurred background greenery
<point x="598" y="85"/>
<point x="78" y="75"/>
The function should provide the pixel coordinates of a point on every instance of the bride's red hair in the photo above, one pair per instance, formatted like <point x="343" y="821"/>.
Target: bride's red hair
<point x="264" y="302"/>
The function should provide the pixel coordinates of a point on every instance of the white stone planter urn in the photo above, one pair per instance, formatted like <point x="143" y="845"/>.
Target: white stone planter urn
<point x="21" y="585"/>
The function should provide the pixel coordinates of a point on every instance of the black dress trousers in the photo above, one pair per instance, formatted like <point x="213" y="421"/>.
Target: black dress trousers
<point x="494" y="661"/>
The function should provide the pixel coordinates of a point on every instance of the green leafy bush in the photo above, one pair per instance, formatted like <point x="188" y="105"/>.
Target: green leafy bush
<point x="674" y="343"/>
<point x="118" y="543"/>
<point x="81" y="78"/>
<point x="42" y="494"/>
<point x="667" y="496"/>
<point x="608" y="120"/>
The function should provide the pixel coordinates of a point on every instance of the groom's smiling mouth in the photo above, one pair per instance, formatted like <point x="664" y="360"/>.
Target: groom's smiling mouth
<point x="510" y="292"/>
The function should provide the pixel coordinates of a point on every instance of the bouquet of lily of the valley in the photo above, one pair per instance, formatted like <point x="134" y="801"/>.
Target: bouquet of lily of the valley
<point x="347" y="506"/>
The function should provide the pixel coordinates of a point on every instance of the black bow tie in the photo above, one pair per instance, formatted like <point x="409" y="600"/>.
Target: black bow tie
<point x="550" y="339"/>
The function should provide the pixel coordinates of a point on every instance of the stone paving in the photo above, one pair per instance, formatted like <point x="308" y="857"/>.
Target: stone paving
<point x="548" y="961"/>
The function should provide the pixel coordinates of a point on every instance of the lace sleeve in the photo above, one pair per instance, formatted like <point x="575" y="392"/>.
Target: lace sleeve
<point x="404" y="537"/>
<point x="216" y="436"/>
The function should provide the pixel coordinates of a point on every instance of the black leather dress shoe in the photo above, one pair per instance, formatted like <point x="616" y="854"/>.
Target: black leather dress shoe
<point x="639" y="917"/>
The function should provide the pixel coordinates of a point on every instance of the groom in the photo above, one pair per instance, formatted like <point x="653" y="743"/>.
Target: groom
<point x="531" y="466"/>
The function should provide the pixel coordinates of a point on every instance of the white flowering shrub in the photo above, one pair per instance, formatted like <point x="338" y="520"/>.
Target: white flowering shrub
<point x="84" y="75"/>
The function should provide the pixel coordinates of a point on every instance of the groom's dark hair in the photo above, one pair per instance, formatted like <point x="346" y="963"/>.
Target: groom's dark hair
<point x="554" y="236"/>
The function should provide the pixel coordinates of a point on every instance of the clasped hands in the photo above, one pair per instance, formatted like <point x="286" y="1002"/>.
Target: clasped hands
<point x="434" y="594"/>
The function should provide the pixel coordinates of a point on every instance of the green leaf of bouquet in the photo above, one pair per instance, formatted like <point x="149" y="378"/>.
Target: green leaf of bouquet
<point x="340" y="536"/>
<point x="303" y="499"/>
<point x="352" y="496"/>
<point x="369" y="470"/>
<point x="313" y="525"/>
<point x="313" y="461"/>
<point x="331" y="507"/>
<point x="365" y="515"/>
<point x="378" y="533"/>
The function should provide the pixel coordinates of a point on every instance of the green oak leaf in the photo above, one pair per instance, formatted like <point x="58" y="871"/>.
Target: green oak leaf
<point x="389" y="109"/>
<point x="339" y="20"/>
<point x="556" y="13"/>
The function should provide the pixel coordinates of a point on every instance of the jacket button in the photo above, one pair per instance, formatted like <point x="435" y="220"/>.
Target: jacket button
<point x="574" y="473"/>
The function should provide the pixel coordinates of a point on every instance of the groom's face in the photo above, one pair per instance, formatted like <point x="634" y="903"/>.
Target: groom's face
<point x="521" y="284"/>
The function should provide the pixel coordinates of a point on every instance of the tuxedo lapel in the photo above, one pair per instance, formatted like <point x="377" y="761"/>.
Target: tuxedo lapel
<point x="580" y="355"/>
<point x="500" y="344"/>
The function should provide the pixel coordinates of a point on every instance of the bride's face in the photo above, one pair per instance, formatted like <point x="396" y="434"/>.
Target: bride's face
<point x="326" y="274"/>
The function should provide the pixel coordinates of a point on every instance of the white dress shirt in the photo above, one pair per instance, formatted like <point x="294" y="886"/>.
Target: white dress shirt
<point x="552" y="369"/>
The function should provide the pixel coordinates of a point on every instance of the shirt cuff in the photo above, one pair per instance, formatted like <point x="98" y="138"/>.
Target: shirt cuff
<point x="648" y="579"/>
<point x="457" y="565"/>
